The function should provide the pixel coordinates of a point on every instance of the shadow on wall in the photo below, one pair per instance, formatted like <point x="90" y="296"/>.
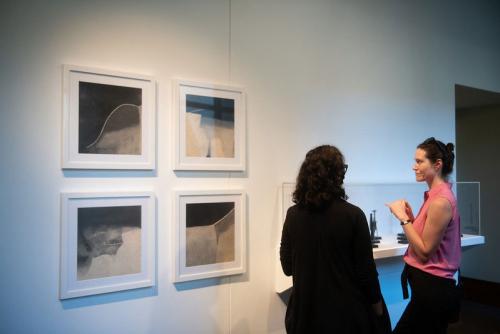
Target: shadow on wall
<point x="108" y="298"/>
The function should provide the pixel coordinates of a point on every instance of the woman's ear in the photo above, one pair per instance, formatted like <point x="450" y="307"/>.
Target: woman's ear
<point x="438" y="165"/>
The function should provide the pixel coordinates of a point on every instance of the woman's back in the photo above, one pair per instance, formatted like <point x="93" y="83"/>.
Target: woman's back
<point x="329" y="254"/>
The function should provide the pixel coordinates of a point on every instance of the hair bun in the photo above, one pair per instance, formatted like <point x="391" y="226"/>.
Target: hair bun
<point x="450" y="147"/>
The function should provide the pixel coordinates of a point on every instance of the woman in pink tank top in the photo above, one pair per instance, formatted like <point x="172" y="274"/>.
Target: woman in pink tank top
<point x="433" y="254"/>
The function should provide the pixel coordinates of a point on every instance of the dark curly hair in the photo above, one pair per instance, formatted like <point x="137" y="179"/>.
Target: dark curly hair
<point x="436" y="149"/>
<point x="320" y="178"/>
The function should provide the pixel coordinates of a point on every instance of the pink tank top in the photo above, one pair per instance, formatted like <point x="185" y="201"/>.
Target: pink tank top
<point x="446" y="259"/>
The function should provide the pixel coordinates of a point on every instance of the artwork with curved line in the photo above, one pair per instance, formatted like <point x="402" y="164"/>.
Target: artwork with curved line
<point x="210" y="233"/>
<point x="109" y="119"/>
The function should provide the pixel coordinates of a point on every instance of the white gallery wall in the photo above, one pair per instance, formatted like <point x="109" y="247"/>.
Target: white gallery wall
<point x="373" y="78"/>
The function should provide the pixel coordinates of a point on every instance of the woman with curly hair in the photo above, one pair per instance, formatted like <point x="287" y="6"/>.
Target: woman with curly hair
<point x="325" y="246"/>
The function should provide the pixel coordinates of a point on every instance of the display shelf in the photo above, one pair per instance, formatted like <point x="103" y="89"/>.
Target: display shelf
<point x="393" y="249"/>
<point x="385" y="250"/>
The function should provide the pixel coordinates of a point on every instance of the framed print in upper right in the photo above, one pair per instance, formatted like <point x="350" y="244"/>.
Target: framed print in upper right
<point x="210" y="127"/>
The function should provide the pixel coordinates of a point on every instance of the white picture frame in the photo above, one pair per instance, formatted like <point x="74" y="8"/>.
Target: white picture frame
<point x="108" y="119"/>
<point x="210" y="126"/>
<point x="107" y="242"/>
<point x="209" y="234"/>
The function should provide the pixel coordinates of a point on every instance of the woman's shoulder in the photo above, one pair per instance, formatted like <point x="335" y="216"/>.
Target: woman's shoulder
<point x="441" y="204"/>
<point x="336" y="207"/>
<point x="348" y="208"/>
<point x="292" y="208"/>
<point x="444" y="192"/>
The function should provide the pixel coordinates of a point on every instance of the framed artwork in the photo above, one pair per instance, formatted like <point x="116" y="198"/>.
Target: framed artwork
<point x="209" y="234"/>
<point x="210" y="127"/>
<point x="107" y="242"/>
<point x="108" y="119"/>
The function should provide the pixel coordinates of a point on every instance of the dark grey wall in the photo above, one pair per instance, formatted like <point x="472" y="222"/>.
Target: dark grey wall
<point x="478" y="140"/>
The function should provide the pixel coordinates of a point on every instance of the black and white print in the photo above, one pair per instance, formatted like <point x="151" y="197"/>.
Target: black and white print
<point x="109" y="241"/>
<point x="210" y="233"/>
<point x="109" y="119"/>
<point x="209" y="127"/>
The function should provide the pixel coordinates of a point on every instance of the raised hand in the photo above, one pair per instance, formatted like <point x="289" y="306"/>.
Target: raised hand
<point x="399" y="209"/>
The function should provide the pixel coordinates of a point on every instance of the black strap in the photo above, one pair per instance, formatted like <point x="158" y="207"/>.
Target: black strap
<point x="404" y="282"/>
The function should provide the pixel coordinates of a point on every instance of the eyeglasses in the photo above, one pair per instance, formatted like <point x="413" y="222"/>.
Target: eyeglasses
<point x="440" y="145"/>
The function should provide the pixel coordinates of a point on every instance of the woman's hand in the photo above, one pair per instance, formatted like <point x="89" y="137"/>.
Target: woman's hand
<point x="409" y="211"/>
<point x="401" y="210"/>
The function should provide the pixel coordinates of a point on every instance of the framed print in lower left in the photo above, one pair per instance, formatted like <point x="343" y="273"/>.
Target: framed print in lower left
<point x="108" y="119"/>
<point x="107" y="242"/>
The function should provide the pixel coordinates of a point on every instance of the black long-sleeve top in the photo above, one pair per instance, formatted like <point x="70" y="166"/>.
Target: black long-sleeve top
<point x="330" y="257"/>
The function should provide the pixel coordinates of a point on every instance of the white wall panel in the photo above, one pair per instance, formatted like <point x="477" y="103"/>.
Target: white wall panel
<point x="373" y="78"/>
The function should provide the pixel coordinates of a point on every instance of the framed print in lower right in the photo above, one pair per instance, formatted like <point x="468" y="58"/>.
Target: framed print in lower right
<point x="209" y="234"/>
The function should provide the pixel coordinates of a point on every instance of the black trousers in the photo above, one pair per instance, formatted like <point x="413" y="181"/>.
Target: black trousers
<point x="435" y="302"/>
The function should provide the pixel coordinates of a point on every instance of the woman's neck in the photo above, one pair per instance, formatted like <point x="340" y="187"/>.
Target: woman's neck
<point x="436" y="181"/>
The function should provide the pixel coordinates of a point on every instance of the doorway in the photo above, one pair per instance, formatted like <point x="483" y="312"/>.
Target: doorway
<point x="477" y="119"/>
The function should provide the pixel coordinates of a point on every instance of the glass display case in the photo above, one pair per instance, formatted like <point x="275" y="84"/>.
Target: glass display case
<point x="386" y="231"/>
<point x="372" y="197"/>
<point x="469" y="206"/>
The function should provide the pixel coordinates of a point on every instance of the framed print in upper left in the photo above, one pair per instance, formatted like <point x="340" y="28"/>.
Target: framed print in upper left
<point x="108" y="119"/>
